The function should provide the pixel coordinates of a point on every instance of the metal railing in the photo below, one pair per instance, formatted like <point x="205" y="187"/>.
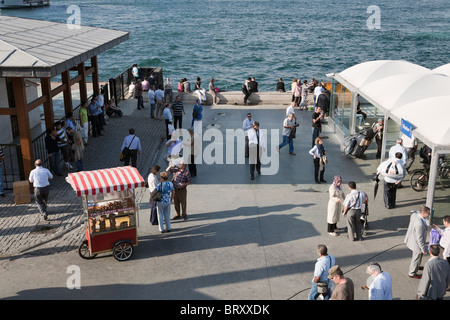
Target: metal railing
<point x="119" y="85"/>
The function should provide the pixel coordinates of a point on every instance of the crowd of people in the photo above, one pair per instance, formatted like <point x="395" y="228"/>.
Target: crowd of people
<point x="352" y="204"/>
<point x="330" y="283"/>
<point x="170" y="186"/>
<point x="70" y="136"/>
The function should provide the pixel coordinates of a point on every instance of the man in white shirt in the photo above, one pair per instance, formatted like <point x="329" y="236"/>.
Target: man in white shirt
<point x="410" y="145"/>
<point x="445" y="237"/>
<point x="246" y="126"/>
<point x="381" y="286"/>
<point x="393" y="171"/>
<point x="256" y="145"/>
<point x="167" y="115"/>
<point x="317" y="92"/>
<point x="40" y="177"/>
<point x="324" y="263"/>
<point x="352" y="211"/>
<point x="290" y="109"/>
<point x="398" y="147"/>
<point x="134" y="148"/>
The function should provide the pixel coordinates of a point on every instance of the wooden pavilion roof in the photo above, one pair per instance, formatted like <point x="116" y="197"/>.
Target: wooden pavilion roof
<point x="37" y="48"/>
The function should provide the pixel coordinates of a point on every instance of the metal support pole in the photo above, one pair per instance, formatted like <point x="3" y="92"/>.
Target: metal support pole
<point x="385" y="130"/>
<point x="432" y="182"/>
<point x="351" y="125"/>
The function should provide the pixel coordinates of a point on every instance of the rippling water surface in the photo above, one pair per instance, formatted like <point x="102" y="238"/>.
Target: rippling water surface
<point x="231" y="40"/>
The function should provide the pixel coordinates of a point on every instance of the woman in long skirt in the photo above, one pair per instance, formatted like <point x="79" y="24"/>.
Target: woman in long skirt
<point x="334" y="211"/>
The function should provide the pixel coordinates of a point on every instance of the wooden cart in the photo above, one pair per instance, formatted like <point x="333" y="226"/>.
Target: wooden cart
<point x="110" y="210"/>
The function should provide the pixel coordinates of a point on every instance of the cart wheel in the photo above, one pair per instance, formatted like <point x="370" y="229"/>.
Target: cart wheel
<point x="84" y="252"/>
<point x="122" y="250"/>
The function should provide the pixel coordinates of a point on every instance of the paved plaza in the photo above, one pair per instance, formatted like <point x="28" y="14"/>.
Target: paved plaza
<point x="244" y="239"/>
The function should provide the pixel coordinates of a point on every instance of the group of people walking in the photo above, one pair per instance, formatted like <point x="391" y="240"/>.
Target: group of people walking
<point x="331" y="283"/>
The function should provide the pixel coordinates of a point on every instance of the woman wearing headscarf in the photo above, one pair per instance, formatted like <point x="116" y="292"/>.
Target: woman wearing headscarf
<point x="337" y="196"/>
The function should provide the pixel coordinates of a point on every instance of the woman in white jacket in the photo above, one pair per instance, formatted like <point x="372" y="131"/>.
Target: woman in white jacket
<point x="337" y="196"/>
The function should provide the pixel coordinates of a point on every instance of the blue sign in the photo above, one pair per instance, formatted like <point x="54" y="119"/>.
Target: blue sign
<point x="406" y="128"/>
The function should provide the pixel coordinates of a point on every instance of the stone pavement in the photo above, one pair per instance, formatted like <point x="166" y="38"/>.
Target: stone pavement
<point x="243" y="239"/>
<point x="21" y="226"/>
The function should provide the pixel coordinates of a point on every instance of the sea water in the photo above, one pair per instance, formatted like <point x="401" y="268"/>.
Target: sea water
<point x="230" y="40"/>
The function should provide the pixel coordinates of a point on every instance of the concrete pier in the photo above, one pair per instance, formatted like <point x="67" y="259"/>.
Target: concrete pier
<point x="243" y="240"/>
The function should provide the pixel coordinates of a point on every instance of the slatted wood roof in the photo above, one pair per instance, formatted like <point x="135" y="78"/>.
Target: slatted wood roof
<point x="38" y="48"/>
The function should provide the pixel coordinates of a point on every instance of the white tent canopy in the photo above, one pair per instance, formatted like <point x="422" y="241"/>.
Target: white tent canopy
<point x="445" y="69"/>
<point x="405" y="90"/>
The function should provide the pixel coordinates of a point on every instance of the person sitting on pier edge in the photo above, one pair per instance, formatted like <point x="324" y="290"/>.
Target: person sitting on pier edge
<point x="246" y="89"/>
<point x="112" y="109"/>
<point x="187" y="85"/>
<point x="254" y="85"/>
<point x="180" y="86"/>
<point x="280" y="85"/>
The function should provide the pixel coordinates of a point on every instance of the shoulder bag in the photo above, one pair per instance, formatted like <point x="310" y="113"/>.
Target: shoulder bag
<point x="322" y="287"/>
<point x="348" y="208"/>
<point x="158" y="195"/>
<point x="126" y="151"/>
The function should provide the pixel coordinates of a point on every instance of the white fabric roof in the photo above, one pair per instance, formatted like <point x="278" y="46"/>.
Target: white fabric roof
<point x="445" y="69"/>
<point x="405" y="90"/>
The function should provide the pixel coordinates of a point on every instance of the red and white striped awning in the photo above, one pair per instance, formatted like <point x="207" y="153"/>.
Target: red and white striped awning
<point x="105" y="180"/>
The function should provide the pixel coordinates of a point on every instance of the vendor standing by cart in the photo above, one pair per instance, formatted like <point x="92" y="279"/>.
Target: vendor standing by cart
<point x="181" y="179"/>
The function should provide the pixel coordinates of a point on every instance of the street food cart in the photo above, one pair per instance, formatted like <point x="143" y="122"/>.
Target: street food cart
<point x="110" y="210"/>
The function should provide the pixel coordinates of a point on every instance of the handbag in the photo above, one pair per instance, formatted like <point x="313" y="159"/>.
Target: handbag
<point x="293" y="131"/>
<point x="322" y="287"/>
<point x="126" y="151"/>
<point x="158" y="195"/>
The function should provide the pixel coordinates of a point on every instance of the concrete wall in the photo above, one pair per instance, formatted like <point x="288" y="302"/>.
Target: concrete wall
<point x="237" y="97"/>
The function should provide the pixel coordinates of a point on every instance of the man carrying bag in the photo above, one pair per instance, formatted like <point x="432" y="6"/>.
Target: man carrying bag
<point x="131" y="147"/>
